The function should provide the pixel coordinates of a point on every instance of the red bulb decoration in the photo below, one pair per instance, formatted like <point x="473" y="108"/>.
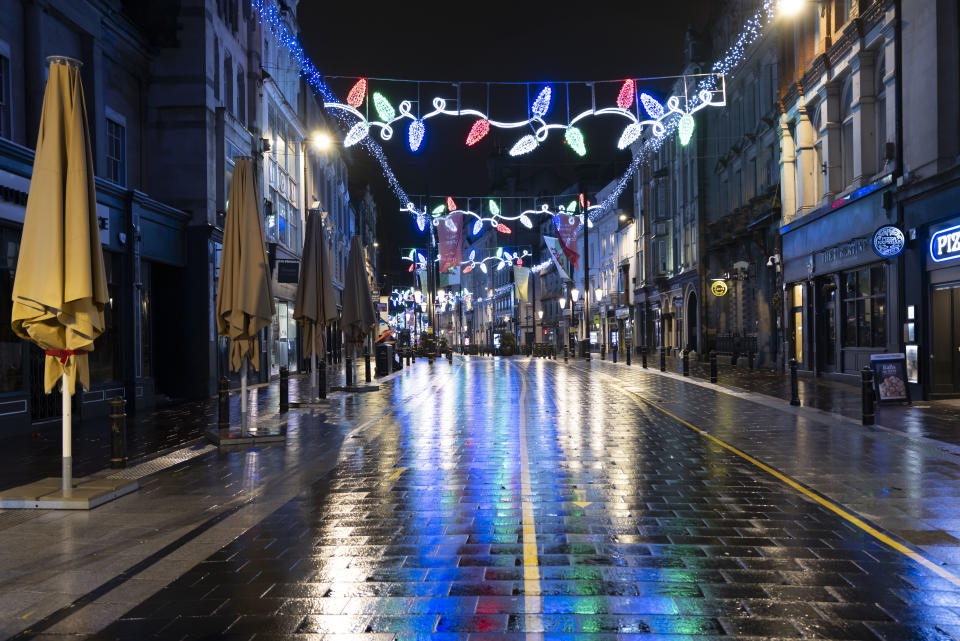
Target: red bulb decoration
<point x="583" y="201"/>
<point x="358" y="93"/>
<point x="451" y="205"/>
<point x="468" y="269"/>
<point x="412" y="267"/>
<point x="479" y="129"/>
<point x="503" y="229"/>
<point x="627" y="93"/>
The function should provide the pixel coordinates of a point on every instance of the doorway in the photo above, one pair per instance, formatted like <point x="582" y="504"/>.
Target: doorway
<point x="827" y="325"/>
<point x="692" y="323"/>
<point x="945" y="339"/>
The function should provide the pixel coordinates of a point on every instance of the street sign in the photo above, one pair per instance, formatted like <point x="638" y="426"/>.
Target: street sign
<point x="719" y="288"/>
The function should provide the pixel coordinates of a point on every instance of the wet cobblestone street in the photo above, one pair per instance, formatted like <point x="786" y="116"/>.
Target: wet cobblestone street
<point x="528" y="499"/>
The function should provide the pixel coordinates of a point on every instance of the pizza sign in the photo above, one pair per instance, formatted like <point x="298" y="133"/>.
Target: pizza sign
<point x="945" y="244"/>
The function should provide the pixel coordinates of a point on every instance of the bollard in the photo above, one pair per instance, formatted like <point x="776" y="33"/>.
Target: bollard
<point x="603" y="351"/>
<point x="663" y="359"/>
<point x="686" y="361"/>
<point x="349" y="371"/>
<point x="751" y="357"/>
<point x="450" y="356"/>
<point x="713" y="366"/>
<point x="733" y="359"/>
<point x="366" y="357"/>
<point x="869" y="413"/>
<point x="794" y="385"/>
<point x="565" y="358"/>
<point x="629" y="348"/>
<point x="284" y="389"/>
<point x="643" y="357"/>
<point x="223" y="401"/>
<point x="613" y="354"/>
<point x="118" y="433"/>
<point x="322" y="378"/>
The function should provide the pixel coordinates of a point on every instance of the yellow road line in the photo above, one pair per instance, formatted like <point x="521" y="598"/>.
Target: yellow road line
<point x="833" y="507"/>
<point x="28" y="614"/>
<point x="532" y="599"/>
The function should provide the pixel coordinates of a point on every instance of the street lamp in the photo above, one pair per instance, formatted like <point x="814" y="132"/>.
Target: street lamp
<point x="575" y="294"/>
<point x="598" y="294"/>
<point x="791" y="7"/>
<point x="540" y="314"/>
<point x="563" y="303"/>
<point x="321" y="140"/>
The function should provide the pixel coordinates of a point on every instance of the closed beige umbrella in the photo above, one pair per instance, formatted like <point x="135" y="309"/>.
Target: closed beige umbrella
<point x="359" y="316"/>
<point x="244" y="296"/>
<point x="315" y="306"/>
<point x="61" y="288"/>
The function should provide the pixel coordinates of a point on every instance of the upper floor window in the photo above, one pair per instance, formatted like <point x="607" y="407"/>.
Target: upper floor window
<point x="116" y="152"/>
<point x="216" y="68"/>
<point x="6" y="127"/>
<point x="228" y="82"/>
<point x="241" y="97"/>
<point x="846" y="132"/>
<point x="881" y="111"/>
<point x="817" y="123"/>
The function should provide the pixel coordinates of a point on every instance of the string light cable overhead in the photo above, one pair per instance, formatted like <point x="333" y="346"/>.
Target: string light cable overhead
<point x="645" y="112"/>
<point x="677" y="116"/>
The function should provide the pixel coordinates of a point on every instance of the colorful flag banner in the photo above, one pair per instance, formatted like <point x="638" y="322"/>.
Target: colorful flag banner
<point x="567" y="225"/>
<point x="450" y="232"/>
<point x="521" y="281"/>
<point x="555" y="248"/>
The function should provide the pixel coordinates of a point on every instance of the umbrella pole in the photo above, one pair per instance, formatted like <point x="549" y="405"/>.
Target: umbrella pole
<point x="243" y="397"/>
<point x="313" y="374"/>
<point x="67" y="441"/>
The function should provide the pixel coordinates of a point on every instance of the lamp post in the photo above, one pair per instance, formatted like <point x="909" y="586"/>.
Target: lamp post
<point x="574" y="297"/>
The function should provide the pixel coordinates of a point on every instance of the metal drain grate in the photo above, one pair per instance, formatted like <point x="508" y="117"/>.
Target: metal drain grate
<point x="162" y="462"/>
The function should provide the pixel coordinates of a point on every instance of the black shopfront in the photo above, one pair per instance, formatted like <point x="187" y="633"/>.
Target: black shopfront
<point x="931" y="323"/>
<point x="840" y="297"/>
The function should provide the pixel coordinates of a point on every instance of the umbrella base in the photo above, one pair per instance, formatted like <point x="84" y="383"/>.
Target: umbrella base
<point x="355" y="388"/>
<point x="48" y="494"/>
<point x="231" y="437"/>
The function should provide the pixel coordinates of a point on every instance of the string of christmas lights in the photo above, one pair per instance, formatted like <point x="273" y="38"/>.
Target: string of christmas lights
<point x="753" y="28"/>
<point x="656" y="114"/>
<point x="442" y="214"/>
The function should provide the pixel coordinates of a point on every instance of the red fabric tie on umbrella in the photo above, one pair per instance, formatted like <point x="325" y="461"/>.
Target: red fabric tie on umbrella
<point x="64" y="354"/>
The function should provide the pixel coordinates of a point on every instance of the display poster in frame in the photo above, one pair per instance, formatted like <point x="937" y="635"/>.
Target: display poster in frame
<point x="890" y="377"/>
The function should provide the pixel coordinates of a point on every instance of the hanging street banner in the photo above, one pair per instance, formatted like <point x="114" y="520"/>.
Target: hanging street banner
<point x="557" y="254"/>
<point x="567" y="228"/>
<point x="521" y="280"/>
<point x="450" y="232"/>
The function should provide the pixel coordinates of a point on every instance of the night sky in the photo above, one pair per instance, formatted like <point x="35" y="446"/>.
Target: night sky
<point x="474" y="42"/>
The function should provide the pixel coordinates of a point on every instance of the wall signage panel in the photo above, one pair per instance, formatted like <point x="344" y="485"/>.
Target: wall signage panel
<point x="945" y="244"/>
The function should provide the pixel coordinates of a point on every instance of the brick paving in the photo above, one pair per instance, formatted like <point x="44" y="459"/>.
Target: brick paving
<point x="609" y="520"/>
<point x="939" y="420"/>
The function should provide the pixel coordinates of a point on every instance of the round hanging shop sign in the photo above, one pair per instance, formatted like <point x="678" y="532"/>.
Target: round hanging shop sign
<point x="719" y="288"/>
<point x="888" y="241"/>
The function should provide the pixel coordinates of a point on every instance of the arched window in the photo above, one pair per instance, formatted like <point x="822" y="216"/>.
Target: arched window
<point x="880" y="107"/>
<point x="846" y="132"/>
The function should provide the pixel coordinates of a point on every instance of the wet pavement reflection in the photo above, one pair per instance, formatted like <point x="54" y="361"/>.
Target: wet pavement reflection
<point x="527" y="499"/>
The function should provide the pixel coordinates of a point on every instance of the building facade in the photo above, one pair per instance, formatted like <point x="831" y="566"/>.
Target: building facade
<point x="143" y="232"/>
<point x="838" y="163"/>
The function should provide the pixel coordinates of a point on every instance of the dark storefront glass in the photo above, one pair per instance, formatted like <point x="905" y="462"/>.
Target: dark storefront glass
<point x="146" y="320"/>
<point x="11" y="347"/>
<point x="865" y="309"/>
<point x="105" y="358"/>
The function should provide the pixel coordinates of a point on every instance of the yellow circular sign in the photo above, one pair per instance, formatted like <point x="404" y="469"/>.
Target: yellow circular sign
<point x="719" y="288"/>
